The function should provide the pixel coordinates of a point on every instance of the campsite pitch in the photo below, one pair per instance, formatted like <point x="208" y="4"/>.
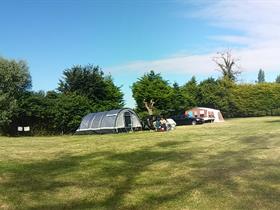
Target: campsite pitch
<point x="231" y="165"/>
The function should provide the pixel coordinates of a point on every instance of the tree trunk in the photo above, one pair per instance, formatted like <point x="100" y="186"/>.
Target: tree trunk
<point x="149" y="106"/>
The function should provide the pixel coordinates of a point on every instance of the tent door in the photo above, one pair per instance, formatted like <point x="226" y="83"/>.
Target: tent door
<point x="127" y="121"/>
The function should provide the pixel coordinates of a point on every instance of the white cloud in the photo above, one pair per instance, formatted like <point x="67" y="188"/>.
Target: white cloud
<point x="232" y="39"/>
<point x="257" y="23"/>
<point x="258" y="20"/>
<point x="180" y="64"/>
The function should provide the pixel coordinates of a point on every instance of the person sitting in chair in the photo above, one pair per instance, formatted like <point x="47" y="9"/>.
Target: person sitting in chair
<point x="157" y="125"/>
<point x="163" y="123"/>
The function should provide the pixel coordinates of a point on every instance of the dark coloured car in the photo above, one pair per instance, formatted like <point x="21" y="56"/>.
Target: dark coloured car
<point x="187" y="120"/>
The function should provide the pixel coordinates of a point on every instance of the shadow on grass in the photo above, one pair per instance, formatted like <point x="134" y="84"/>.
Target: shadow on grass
<point x="40" y="178"/>
<point x="169" y="144"/>
<point x="272" y="121"/>
<point x="159" y="174"/>
<point x="261" y="142"/>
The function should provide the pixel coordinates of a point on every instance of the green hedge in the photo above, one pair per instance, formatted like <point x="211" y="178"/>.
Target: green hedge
<point x="256" y="99"/>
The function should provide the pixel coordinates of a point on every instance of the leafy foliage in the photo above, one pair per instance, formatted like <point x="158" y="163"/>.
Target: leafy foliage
<point x="68" y="111"/>
<point x="14" y="81"/>
<point x="277" y="79"/>
<point x="82" y="90"/>
<point x="51" y="113"/>
<point x="216" y="94"/>
<point x="89" y="81"/>
<point x="179" y="100"/>
<point x="191" y="89"/>
<point x="261" y="76"/>
<point x="234" y="100"/>
<point x="152" y="86"/>
<point x="256" y="100"/>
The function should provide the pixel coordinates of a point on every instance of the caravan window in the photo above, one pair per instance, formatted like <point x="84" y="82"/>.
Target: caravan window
<point x="201" y="112"/>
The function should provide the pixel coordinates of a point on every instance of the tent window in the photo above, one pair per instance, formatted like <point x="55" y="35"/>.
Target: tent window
<point x="127" y="120"/>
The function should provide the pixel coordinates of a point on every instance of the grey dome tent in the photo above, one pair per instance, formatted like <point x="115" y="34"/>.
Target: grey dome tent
<point x="113" y="121"/>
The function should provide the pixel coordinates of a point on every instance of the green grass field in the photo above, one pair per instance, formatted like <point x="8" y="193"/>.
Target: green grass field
<point x="231" y="165"/>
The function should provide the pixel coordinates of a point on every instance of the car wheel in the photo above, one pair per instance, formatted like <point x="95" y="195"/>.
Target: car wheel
<point x="194" y="122"/>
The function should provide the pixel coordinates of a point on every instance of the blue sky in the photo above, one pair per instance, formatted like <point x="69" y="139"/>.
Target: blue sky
<point x="128" y="38"/>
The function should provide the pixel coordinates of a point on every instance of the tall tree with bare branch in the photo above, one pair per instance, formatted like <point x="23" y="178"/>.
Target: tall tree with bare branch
<point x="228" y="65"/>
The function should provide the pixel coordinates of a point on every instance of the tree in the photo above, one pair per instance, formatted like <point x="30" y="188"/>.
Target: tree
<point x="34" y="111"/>
<point x="208" y="93"/>
<point x="67" y="112"/>
<point x="191" y="90"/>
<point x="14" y="81"/>
<point x="277" y="79"/>
<point x="151" y="92"/>
<point x="261" y="76"/>
<point x="180" y="100"/>
<point x="90" y="81"/>
<point x="51" y="112"/>
<point x="228" y="65"/>
<point x="217" y="94"/>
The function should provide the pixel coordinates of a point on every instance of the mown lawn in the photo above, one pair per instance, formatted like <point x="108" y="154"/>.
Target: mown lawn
<point x="231" y="165"/>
